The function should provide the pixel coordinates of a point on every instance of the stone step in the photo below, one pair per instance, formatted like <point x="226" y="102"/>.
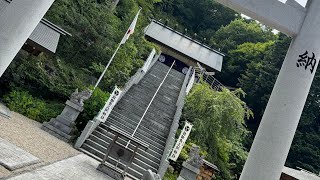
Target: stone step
<point x="155" y="146"/>
<point x="133" y="170"/>
<point x="157" y="142"/>
<point x="155" y="150"/>
<point x="153" y="114"/>
<point x="142" y="155"/>
<point x="160" y="67"/>
<point x="151" y="156"/>
<point x="155" y="126"/>
<point x="133" y="106"/>
<point x="163" y="95"/>
<point x="87" y="149"/>
<point x="153" y="111"/>
<point x="136" y="161"/>
<point x="166" y="86"/>
<point x="158" y="125"/>
<point x="143" y="104"/>
<point x="131" y="124"/>
<point x="155" y="79"/>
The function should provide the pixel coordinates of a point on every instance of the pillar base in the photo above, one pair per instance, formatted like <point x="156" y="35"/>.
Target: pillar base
<point x="188" y="172"/>
<point x="63" y="126"/>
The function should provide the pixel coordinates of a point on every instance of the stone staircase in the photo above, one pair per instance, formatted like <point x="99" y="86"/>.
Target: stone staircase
<point x="155" y="127"/>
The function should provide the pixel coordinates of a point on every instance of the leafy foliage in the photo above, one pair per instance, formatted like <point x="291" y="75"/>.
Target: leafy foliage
<point x="22" y="102"/>
<point x="91" y="107"/>
<point x="218" y="119"/>
<point x="254" y="57"/>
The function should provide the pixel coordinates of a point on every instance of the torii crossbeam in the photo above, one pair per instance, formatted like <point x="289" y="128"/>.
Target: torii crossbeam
<point x="281" y="117"/>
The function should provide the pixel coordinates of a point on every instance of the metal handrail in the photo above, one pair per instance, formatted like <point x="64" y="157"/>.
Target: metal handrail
<point x="208" y="78"/>
<point x="155" y="94"/>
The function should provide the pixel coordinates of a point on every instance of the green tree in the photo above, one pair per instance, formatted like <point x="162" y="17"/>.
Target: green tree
<point x="258" y="80"/>
<point x="186" y="14"/>
<point x="241" y="31"/>
<point x="219" y="128"/>
<point x="241" y="57"/>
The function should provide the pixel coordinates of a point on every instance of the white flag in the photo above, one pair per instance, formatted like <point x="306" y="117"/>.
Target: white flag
<point x="131" y="29"/>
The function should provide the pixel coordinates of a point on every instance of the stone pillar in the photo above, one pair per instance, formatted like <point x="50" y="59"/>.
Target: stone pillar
<point x="191" y="168"/>
<point x="280" y="120"/>
<point x="63" y="126"/>
<point x="17" y="22"/>
<point x="188" y="172"/>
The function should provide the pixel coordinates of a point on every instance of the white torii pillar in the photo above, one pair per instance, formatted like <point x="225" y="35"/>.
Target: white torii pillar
<point x="17" y="21"/>
<point x="281" y="117"/>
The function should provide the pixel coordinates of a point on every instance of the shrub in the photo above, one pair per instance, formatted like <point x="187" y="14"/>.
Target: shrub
<point x="22" y="102"/>
<point x="34" y="108"/>
<point x="52" y="110"/>
<point x="91" y="108"/>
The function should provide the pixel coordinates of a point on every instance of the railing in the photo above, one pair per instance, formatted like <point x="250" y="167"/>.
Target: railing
<point x="147" y="64"/>
<point x="92" y="124"/>
<point x="151" y="101"/>
<point x="191" y="81"/>
<point x="135" y="79"/>
<point x="208" y="78"/>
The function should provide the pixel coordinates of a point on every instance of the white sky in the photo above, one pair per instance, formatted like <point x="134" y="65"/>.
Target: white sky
<point x="302" y="2"/>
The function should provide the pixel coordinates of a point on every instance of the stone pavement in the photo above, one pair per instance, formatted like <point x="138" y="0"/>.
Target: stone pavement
<point x="13" y="157"/>
<point x="26" y="134"/>
<point x="4" y="111"/>
<point x="80" y="167"/>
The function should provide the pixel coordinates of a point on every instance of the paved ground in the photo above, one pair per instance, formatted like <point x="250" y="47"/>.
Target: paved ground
<point x="13" y="157"/>
<point x="80" y="167"/>
<point x="27" y="135"/>
<point x="4" y="111"/>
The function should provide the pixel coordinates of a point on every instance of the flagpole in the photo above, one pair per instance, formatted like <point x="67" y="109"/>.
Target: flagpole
<point x="112" y="57"/>
<point x="105" y="69"/>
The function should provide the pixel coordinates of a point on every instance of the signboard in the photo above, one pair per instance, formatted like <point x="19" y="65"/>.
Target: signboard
<point x="107" y="108"/>
<point x="181" y="141"/>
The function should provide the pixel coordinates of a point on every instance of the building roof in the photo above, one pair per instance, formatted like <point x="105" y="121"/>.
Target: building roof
<point x="207" y="163"/>
<point x="46" y="36"/>
<point x="185" y="45"/>
<point x="300" y="174"/>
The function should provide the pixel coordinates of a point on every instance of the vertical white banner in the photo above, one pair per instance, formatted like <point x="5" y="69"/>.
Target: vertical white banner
<point x="106" y="110"/>
<point x="181" y="141"/>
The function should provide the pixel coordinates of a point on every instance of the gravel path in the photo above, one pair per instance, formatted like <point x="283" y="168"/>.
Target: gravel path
<point x="26" y="134"/>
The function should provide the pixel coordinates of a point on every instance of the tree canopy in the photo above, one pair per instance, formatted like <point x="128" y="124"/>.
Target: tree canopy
<point x="219" y="125"/>
<point x="254" y="56"/>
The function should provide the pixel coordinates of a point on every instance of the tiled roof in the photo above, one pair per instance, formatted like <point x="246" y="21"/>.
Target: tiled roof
<point x="300" y="174"/>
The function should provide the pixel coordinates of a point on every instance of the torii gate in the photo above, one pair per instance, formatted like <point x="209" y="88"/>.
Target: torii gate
<point x="281" y="117"/>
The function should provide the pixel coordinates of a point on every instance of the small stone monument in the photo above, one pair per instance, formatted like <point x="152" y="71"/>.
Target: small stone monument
<point x="63" y="126"/>
<point x="191" y="167"/>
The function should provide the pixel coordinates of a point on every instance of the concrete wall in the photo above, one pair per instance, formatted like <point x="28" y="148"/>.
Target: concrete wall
<point x="17" y="22"/>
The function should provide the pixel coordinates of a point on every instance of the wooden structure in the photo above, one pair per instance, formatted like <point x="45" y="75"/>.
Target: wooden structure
<point x="121" y="153"/>
<point x="182" y="47"/>
<point x="294" y="174"/>
<point x="207" y="171"/>
<point x="44" y="38"/>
